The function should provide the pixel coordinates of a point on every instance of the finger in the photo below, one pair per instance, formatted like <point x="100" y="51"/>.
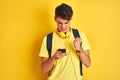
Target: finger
<point x="64" y="54"/>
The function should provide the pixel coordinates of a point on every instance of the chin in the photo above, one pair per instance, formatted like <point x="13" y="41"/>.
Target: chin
<point x="65" y="30"/>
<point x="61" y="30"/>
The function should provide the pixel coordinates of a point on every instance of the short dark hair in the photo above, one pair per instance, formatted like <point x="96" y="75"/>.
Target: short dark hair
<point x="64" y="11"/>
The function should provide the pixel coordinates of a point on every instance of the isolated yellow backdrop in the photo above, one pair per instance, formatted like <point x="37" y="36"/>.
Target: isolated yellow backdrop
<point x="23" y="24"/>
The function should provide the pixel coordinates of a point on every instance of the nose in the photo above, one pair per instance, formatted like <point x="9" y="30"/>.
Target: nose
<point x="63" y="26"/>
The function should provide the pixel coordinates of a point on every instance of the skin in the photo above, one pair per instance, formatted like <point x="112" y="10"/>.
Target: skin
<point x="64" y="26"/>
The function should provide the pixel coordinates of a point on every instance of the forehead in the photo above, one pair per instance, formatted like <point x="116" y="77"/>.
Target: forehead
<point x="59" y="19"/>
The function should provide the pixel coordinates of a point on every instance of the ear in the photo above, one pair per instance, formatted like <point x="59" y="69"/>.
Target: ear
<point x="55" y="18"/>
<point x="70" y="18"/>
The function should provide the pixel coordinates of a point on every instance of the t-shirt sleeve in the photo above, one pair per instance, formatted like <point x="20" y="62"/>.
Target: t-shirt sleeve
<point x="85" y="43"/>
<point x="43" y="49"/>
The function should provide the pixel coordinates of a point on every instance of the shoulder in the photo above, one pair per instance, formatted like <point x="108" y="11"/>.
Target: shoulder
<point x="49" y="35"/>
<point x="81" y="33"/>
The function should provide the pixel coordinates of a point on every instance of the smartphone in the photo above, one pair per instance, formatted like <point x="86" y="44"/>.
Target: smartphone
<point x="62" y="50"/>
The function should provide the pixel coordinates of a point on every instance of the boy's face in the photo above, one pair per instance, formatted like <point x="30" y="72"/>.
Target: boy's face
<point x="62" y="24"/>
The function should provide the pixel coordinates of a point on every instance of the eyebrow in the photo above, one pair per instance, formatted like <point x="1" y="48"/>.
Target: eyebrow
<point x="66" y="22"/>
<point x="62" y="23"/>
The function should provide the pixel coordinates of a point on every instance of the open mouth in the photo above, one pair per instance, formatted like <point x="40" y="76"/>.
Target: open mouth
<point x="64" y="30"/>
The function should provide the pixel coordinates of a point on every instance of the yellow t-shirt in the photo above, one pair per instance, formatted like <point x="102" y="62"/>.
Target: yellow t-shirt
<point x="68" y="67"/>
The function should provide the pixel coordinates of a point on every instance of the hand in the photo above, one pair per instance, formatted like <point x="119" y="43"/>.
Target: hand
<point x="58" y="55"/>
<point x="77" y="43"/>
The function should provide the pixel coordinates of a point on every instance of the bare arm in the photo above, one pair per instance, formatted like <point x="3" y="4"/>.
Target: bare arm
<point x="84" y="55"/>
<point x="47" y="64"/>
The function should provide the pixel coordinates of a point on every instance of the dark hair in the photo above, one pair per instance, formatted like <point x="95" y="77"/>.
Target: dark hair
<point x="64" y="11"/>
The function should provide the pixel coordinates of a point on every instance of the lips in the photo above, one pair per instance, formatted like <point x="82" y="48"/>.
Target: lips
<point x="64" y="30"/>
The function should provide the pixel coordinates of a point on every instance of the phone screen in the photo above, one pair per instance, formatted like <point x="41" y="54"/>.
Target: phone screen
<point x="62" y="50"/>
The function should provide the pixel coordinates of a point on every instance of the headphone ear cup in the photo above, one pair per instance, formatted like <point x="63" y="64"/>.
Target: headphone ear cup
<point x="61" y="34"/>
<point x="68" y="34"/>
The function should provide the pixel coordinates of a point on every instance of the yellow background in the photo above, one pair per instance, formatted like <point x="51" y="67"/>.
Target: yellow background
<point x="23" y="23"/>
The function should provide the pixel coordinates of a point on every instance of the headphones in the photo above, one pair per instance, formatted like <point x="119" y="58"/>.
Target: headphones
<point x="63" y="35"/>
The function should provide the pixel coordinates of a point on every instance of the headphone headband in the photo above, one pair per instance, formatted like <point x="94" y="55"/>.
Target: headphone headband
<point x="63" y="35"/>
